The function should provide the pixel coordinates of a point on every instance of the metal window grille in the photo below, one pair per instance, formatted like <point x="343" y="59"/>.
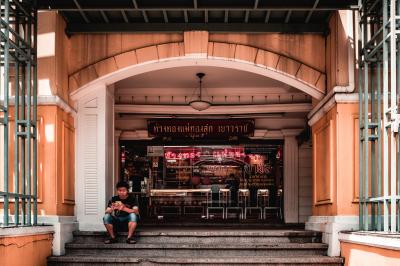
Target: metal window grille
<point x="18" y="112"/>
<point x="379" y="92"/>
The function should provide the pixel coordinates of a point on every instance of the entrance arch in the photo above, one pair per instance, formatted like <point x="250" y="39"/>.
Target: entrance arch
<point x="246" y="58"/>
<point x="96" y="138"/>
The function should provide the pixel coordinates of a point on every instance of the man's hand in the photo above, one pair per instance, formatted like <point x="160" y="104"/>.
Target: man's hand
<point x="135" y="210"/>
<point x="120" y="207"/>
<point x="109" y="210"/>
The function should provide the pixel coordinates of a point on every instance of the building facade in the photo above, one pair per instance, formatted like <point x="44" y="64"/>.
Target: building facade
<point x="97" y="93"/>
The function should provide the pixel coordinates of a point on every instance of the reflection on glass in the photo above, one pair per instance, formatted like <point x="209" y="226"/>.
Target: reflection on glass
<point x="194" y="181"/>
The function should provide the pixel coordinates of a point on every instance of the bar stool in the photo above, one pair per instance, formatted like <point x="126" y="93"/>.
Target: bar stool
<point x="225" y="198"/>
<point x="263" y="200"/>
<point x="278" y="208"/>
<point x="218" y="204"/>
<point x="244" y="201"/>
<point x="240" y="208"/>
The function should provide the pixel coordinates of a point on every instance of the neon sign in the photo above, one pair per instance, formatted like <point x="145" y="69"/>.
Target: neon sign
<point x="182" y="155"/>
<point x="229" y="153"/>
<point x="196" y="154"/>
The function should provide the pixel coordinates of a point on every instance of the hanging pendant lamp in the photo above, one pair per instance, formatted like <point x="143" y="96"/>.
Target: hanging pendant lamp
<point x="200" y="104"/>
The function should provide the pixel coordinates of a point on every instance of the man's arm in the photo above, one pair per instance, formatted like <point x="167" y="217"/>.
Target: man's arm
<point x="109" y="208"/>
<point x="134" y="210"/>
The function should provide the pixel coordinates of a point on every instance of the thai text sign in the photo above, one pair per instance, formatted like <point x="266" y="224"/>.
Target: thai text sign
<point x="200" y="128"/>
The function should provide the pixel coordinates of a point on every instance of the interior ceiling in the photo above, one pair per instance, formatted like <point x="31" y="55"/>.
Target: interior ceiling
<point x="221" y="86"/>
<point x="216" y="77"/>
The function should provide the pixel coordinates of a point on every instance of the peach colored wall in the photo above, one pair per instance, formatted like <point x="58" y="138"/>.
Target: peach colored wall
<point x="55" y="161"/>
<point x="355" y="255"/>
<point x="335" y="160"/>
<point x="324" y="140"/>
<point x="91" y="48"/>
<point x="85" y="57"/>
<point x="25" y="250"/>
<point x="347" y="159"/>
<point x="53" y="54"/>
<point x="306" y="48"/>
<point x="337" y="53"/>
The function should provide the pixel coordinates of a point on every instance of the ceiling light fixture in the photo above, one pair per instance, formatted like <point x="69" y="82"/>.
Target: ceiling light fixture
<point x="200" y="104"/>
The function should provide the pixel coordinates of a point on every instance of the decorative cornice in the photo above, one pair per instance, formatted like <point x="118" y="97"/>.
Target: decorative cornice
<point x="51" y="100"/>
<point x="328" y="102"/>
<point x="218" y="110"/>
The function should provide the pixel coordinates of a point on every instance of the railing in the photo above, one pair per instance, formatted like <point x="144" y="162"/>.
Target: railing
<point x="379" y="92"/>
<point x="18" y="111"/>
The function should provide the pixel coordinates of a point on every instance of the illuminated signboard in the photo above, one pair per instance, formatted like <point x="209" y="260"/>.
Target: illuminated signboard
<point x="201" y="128"/>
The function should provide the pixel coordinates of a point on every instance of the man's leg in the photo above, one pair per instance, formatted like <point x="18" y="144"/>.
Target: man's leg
<point x="108" y="220"/>
<point x="132" y="223"/>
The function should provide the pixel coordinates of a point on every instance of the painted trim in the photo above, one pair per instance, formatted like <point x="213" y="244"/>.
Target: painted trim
<point x="51" y="100"/>
<point x="26" y="231"/>
<point x="372" y="239"/>
<point x="328" y="102"/>
<point x="218" y="110"/>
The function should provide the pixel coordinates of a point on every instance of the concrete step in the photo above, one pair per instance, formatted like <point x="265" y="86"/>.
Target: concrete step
<point x="239" y="237"/>
<point x="196" y="250"/>
<point x="111" y="261"/>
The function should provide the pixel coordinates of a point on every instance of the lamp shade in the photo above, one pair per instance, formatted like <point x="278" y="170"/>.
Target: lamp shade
<point x="200" y="105"/>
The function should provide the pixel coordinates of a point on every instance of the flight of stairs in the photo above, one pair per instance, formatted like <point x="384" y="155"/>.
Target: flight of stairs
<point x="200" y="246"/>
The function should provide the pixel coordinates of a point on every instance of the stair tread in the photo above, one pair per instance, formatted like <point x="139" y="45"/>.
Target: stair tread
<point x="208" y="233"/>
<point x="239" y="260"/>
<point x="196" y="246"/>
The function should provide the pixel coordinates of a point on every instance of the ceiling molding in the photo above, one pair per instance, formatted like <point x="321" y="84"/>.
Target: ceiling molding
<point x="218" y="110"/>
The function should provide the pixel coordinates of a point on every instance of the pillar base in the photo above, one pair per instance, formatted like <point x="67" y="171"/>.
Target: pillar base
<point x="63" y="228"/>
<point x="330" y="226"/>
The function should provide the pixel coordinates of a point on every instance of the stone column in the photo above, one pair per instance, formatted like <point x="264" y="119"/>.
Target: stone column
<point x="291" y="176"/>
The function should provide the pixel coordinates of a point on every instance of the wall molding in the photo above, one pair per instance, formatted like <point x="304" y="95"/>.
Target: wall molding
<point x="50" y="100"/>
<point x="328" y="102"/>
<point x="372" y="239"/>
<point x="216" y="109"/>
<point x="327" y="127"/>
<point x="26" y="231"/>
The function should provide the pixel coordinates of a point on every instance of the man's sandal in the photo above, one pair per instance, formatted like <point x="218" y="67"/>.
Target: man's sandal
<point x="110" y="240"/>
<point x="130" y="241"/>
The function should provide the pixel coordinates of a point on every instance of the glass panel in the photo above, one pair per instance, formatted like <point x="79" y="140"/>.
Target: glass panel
<point x="206" y="182"/>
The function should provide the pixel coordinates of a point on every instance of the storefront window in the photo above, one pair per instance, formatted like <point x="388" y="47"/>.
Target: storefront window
<point x="194" y="180"/>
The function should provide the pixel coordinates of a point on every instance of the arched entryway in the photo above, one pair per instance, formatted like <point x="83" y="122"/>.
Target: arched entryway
<point x="103" y="103"/>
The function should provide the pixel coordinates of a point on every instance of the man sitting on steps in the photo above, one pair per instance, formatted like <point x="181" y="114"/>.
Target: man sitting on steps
<point x="123" y="209"/>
